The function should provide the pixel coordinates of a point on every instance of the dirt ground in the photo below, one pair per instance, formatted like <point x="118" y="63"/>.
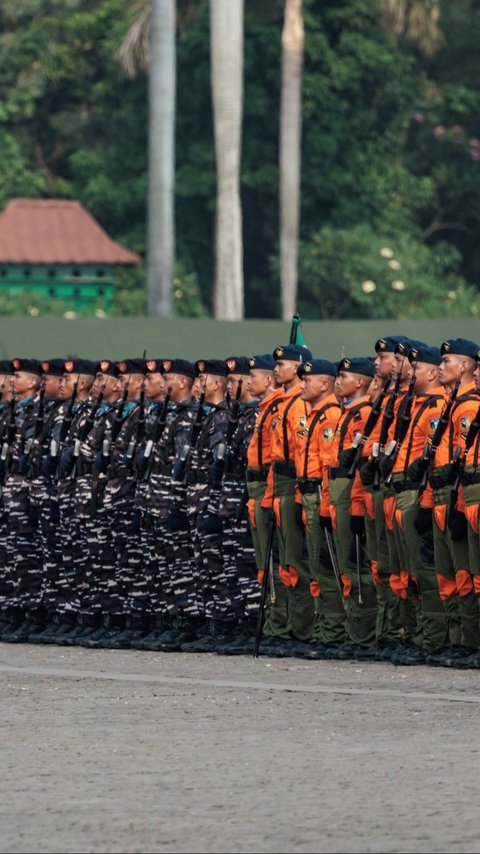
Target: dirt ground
<point x="108" y="751"/>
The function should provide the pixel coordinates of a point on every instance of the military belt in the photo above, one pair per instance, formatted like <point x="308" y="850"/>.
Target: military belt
<point x="309" y="487"/>
<point x="284" y="467"/>
<point x="470" y="479"/>
<point x="337" y="471"/>
<point x="257" y="475"/>
<point x="403" y="485"/>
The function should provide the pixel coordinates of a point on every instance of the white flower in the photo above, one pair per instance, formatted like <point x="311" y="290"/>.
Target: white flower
<point x="33" y="311"/>
<point x="394" y="265"/>
<point x="99" y="312"/>
<point x="368" y="287"/>
<point x="386" y="252"/>
<point x="178" y="293"/>
<point x="398" y="285"/>
<point x="70" y="315"/>
<point x="452" y="295"/>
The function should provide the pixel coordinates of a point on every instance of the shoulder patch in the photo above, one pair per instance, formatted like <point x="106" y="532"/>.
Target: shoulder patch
<point x="328" y="433"/>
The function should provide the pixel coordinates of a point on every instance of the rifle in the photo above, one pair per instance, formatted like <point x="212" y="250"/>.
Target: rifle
<point x="85" y="430"/>
<point x="181" y="469"/>
<point x="32" y="444"/>
<point x="138" y="428"/>
<point x="9" y="433"/>
<point x="223" y="460"/>
<point x="403" y="424"/>
<point x="65" y="428"/>
<point x="370" y="424"/>
<point x="431" y="446"/>
<point x="387" y="421"/>
<point x="156" y="435"/>
<point x="459" y="457"/>
<point x="115" y="428"/>
<point x="267" y="572"/>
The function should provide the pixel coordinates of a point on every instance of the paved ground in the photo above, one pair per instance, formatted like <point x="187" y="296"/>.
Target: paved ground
<point x="106" y="751"/>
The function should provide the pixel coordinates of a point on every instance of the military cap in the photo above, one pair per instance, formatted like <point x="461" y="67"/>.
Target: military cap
<point x="107" y="367"/>
<point x="317" y="367"/>
<point x="292" y="353"/>
<point x="154" y="366"/>
<point x="131" y="366"/>
<point x="357" y="365"/>
<point x="388" y="344"/>
<point x="6" y="366"/>
<point x="217" y="367"/>
<point x="30" y="366"/>
<point x="80" y="366"/>
<point x="238" y="365"/>
<point x="53" y="367"/>
<point x="420" y="352"/>
<point x="262" y="362"/>
<point x="179" y="366"/>
<point x="459" y="347"/>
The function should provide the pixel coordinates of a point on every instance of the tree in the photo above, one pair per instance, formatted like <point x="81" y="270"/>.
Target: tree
<point x="150" y="43"/>
<point x="226" y="22"/>
<point x="290" y="157"/>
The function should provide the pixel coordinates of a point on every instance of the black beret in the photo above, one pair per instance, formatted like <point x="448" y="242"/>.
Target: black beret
<point x="179" y="366"/>
<point x="459" y="347"/>
<point x="80" y="366"/>
<point x="388" y="344"/>
<point x="30" y="366"/>
<point x="53" y="367"/>
<point x="5" y="366"/>
<point x="292" y="353"/>
<point x="238" y="365"/>
<point x="131" y="366"/>
<point x="420" y="352"/>
<point x="262" y="362"/>
<point x="217" y="367"/>
<point x="154" y="366"/>
<point x="317" y="367"/>
<point x="107" y="367"/>
<point x="357" y="365"/>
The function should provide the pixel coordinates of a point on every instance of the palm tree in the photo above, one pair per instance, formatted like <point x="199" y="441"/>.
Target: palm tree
<point x="226" y="40"/>
<point x="290" y="158"/>
<point x="414" y="19"/>
<point x="150" y="43"/>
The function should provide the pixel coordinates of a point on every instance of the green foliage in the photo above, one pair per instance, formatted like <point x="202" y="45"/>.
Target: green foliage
<point x="391" y="151"/>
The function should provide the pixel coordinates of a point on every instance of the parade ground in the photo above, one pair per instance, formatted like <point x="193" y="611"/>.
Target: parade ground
<point x="110" y="751"/>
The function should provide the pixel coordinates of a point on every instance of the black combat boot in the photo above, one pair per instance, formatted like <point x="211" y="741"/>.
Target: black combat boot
<point x="31" y="624"/>
<point x="105" y="627"/>
<point x="243" y="640"/>
<point x="205" y="641"/>
<point x="136" y="627"/>
<point x="13" y="618"/>
<point x="51" y="625"/>
<point x="159" y="624"/>
<point x="116" y="626"/>
<point x="184" y="631"/>
<point x="85" y="625"/>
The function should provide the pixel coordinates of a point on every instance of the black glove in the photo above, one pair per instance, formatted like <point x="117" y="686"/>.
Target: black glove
<point x="326" y="523"/>
<point x="49" y="466"/>
<point x="54" y="512"/>
<point x="140" y="464"/>
<point x="367" y="472"/>
<point x="357" y="525"/>
<point x="299" y="515"/>
<point x="23" y="465"/>
<point x="32" y="514"/>
<point x="346" y="458"/>
<point x="416" y="470"/>
<point x="423" y="521"/>
<point x="210" y="523"/>
<point x="101" y="463"/>
<point x="448" y="474"/>
<point x="457" y="525"/>
<point x="178" y="471"/>
<point x="66" y="462"/>
<point x="176" y="521"/>
<point x="215" y="473"/>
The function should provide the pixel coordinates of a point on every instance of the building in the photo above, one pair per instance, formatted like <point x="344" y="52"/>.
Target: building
<point x="55" y="249"/>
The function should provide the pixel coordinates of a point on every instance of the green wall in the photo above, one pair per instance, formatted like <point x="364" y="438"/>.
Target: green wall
<point x="116" y="338"/>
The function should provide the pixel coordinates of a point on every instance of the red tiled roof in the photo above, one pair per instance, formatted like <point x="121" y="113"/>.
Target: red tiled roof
<point x="54" y="231"/>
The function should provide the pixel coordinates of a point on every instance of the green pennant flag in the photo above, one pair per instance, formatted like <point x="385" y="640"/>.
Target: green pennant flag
<point x="296" y="336"/>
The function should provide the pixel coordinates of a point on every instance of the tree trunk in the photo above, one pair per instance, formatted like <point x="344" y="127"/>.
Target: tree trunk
<point x="226" y="39"/>
<point x="161" y="155"/>
<point x="290" y="157"/>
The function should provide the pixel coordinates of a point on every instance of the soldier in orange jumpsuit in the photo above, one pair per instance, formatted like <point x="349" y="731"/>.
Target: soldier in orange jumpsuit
<point x="280" y="497"/>
<point x="449" y="527"/>
<point x="348" y="507"/>
<point x="311" y="462"/>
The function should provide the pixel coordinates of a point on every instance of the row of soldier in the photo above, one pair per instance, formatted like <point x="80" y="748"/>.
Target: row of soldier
<point x="144" y="501"/>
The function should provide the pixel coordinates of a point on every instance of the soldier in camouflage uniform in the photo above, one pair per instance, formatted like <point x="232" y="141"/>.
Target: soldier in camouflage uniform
<point x="214" y="596"/>
<point x="25" y="563"/>
<point x="7" y="409"/>
<point x="178" y="580"/>
<point x="239" y="554"/>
